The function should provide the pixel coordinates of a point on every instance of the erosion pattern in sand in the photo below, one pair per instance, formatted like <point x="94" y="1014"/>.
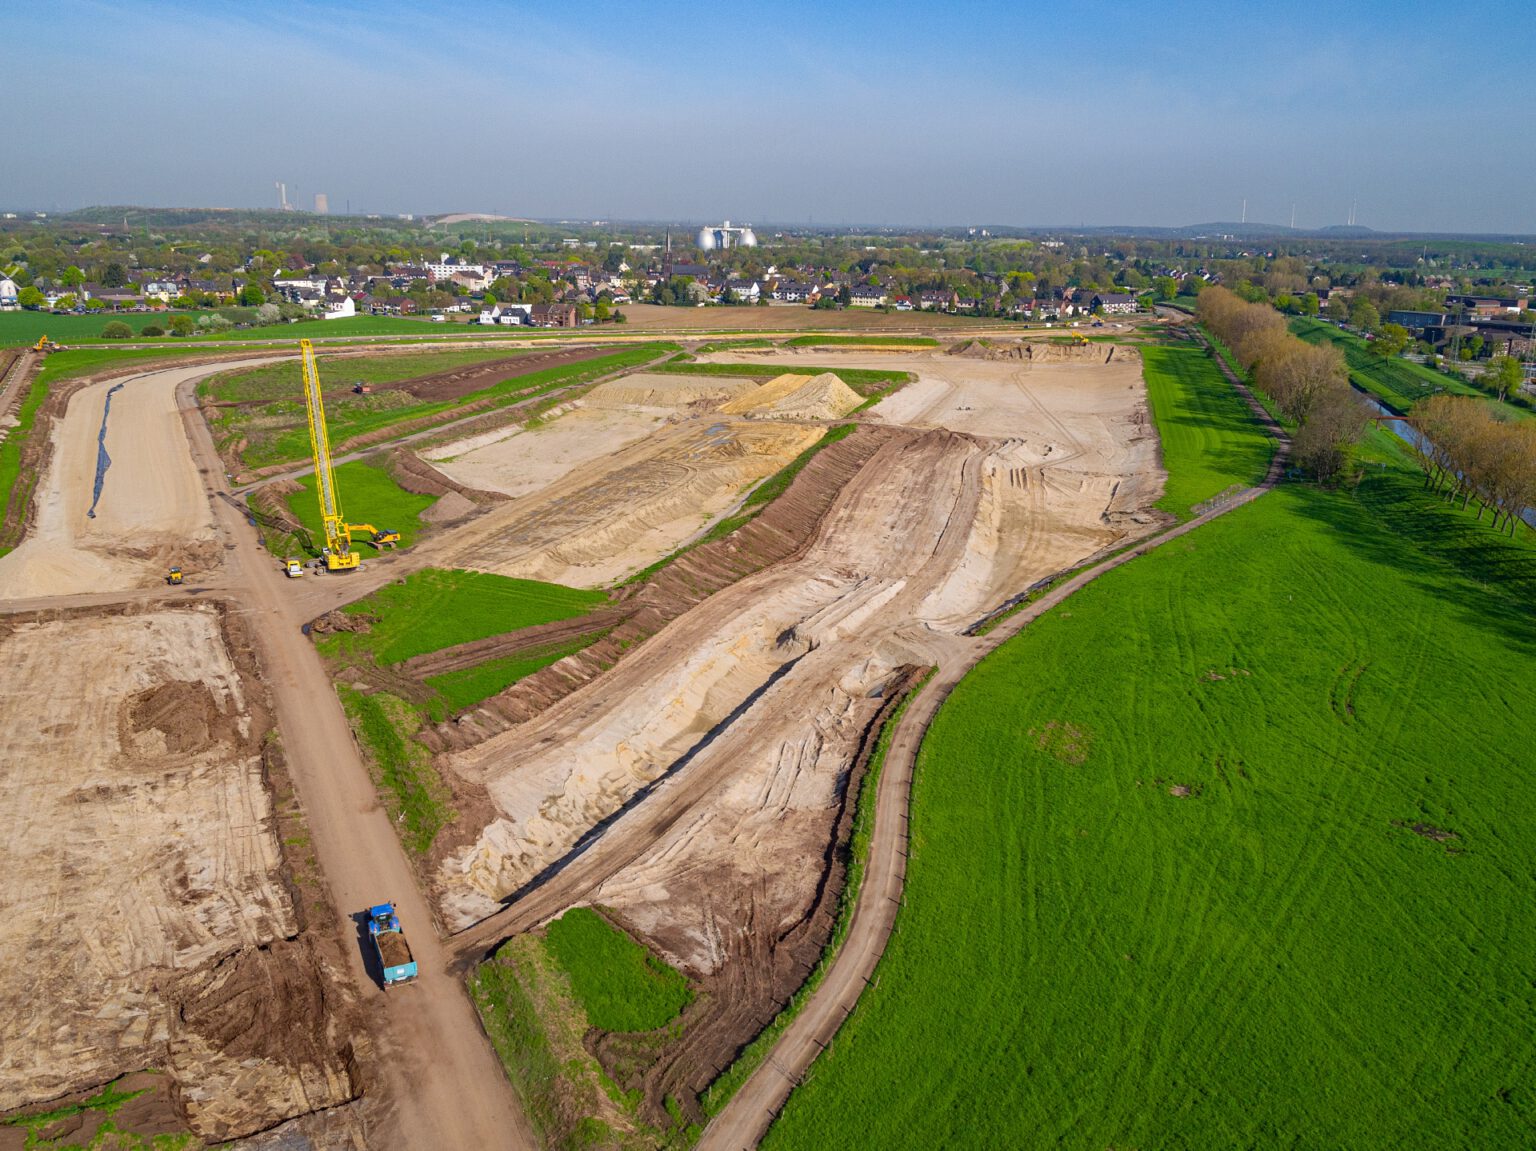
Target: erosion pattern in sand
<point x="152" y="512"/>
<point x="613" y="415"/>
<point x="617" y="513"/>
<point x="1042" y="468"/>
<point x="141" y="866"/>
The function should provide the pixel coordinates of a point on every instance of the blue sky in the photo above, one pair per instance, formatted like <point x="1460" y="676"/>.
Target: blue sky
<point x="1108" y="113"/>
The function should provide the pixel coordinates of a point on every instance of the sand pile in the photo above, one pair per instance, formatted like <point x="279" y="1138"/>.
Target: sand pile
<point x="795" y="397"/>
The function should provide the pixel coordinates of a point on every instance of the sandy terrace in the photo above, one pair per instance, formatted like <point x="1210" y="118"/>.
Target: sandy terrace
<point x="143" y="883"/>
<point x="610" y="515"/>
<point x="613" y="415"/>
<point x="937" y="529"/>
<point x="152" y="512"/>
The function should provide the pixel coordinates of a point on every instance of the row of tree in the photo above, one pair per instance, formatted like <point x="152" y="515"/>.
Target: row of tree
<point x="1466" y="452"/>
<point x="1308" y="383"/>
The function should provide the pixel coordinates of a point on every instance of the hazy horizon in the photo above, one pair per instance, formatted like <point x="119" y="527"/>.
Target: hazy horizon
<point x="889" y="115"/>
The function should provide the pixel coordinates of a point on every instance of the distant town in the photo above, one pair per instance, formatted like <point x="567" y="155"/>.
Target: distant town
<point x="182" y="271"/>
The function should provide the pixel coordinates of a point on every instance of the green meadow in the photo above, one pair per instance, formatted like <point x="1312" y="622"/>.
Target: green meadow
<point x="1234" y="848"/>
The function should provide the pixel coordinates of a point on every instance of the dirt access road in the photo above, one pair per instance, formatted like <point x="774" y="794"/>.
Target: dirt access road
<point x="445" y="1084"/>
<point x="442" y="1084"/>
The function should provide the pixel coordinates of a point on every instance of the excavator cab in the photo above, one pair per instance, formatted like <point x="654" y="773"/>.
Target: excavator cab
<point x="174" y="576"/>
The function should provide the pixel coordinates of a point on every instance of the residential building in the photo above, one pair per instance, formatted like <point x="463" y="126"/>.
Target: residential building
<point x="554" y="316"/>
<point x="344" y="307"/>
<point x="867" y="296"/>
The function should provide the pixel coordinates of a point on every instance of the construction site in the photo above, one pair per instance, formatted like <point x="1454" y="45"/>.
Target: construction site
<point x="763" y="553"/>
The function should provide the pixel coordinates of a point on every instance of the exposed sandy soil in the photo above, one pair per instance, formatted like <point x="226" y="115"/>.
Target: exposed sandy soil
<point x="624" y="511"/>
<point x="516" y="460"/>
<point x="796" y="397"/>
<point x="149" y="922"/>
<point x="749" y="709"/>
<point x="152" y="513"/>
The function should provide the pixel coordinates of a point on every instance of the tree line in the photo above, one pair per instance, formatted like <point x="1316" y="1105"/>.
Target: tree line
<point x="1308" y="383"/>
<point x="1466" y="452"/>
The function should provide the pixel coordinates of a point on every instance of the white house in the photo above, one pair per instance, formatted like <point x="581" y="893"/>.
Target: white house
<point x="340" y="309"/>
<point x="507" y="314"/>
<point x="8" y="294"/>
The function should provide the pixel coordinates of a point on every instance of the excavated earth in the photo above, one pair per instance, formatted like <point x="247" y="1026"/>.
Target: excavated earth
<point x="750" y="674"/>
<point x="152" y="920"/>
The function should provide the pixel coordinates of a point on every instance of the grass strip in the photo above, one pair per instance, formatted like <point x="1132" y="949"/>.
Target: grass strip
<point x="619" y="983"/>
<point x="1210" y="439"/>
<point x="415" y="797"/>
<point x="862" y="380"/>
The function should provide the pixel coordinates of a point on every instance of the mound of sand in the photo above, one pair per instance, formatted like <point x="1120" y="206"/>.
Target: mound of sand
<point x="659" y="390"/>
<point x="794" y="397"/>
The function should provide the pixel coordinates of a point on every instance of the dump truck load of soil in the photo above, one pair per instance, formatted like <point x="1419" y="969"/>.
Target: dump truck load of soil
<point x="797" y="397"/>
<point x="144" y="869"/>
<point x="394" y="948"/>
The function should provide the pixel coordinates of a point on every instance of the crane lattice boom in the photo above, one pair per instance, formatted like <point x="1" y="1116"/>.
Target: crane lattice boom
<point x="338" y="541"/>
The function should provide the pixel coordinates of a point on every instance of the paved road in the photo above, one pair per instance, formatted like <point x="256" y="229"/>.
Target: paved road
<point x="746" y="1118"/>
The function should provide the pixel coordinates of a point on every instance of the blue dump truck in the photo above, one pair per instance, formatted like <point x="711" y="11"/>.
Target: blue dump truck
<point x="389" y="941"/>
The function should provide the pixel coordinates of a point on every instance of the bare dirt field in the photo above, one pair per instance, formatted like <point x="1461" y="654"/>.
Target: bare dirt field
<point x="517" y="460"/>
<point x="607" y="517"/>
<point x="152" y="512"/>
<point x="149" y="917"/>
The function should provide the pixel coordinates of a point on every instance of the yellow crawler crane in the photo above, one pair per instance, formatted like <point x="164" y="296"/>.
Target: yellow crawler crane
<point x="338" y="552"/>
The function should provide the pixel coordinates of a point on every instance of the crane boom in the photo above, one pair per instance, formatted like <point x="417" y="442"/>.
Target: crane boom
<point x="339" y="555"/>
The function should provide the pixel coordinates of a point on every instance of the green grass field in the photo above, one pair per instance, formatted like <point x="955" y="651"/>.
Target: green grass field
<point x="285" y="381"/>
<point x="1210" y="439"/>
<point x="471" y="685"/>
<point x="25" y="327"/>
<point x="1398" y="383"/>
<point x="368" y="495"/>
<point x="435" y="608"/>
<point x="621" y="985"/>
<point x="1237" y="848"/>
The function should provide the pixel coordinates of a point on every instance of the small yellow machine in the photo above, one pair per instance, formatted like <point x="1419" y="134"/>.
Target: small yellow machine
<point x="174" y="576"/>
<point x="45" y="345"/>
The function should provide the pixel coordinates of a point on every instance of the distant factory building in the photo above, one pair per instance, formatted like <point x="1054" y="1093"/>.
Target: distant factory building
<point x="322" y="204"/>
<point x="713" y="236"/>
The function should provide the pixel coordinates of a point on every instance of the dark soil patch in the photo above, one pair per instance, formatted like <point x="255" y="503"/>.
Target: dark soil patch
<point x="457" y="382"/>
<point x="185" y="713"/>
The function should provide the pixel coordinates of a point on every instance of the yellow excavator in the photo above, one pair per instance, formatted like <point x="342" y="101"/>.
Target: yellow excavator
<point x="45" y="345"/>
<point x="338" y="553"/>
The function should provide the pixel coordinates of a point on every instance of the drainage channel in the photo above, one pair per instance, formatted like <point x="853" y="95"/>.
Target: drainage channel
<point x="103" y="461"/>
